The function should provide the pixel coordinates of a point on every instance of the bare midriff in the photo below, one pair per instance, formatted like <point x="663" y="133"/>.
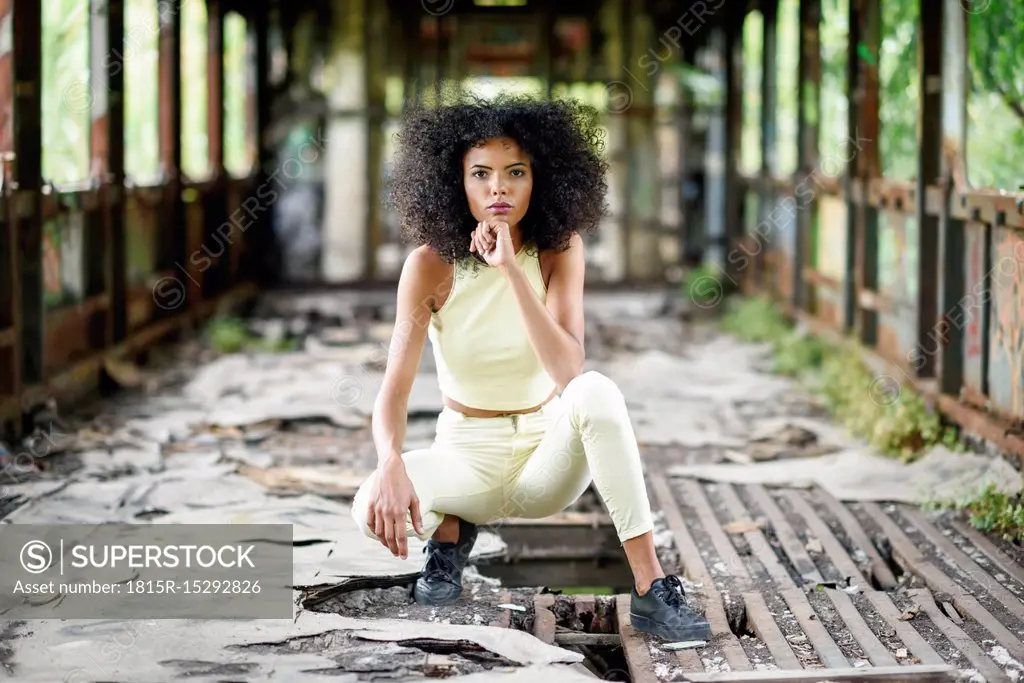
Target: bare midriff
<point x="478" y="412"/>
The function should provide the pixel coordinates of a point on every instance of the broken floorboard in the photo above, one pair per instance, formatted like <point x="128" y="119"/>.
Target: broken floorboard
<point x="793" y="586"/>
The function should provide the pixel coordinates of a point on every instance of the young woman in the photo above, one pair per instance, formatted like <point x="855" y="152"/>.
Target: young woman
<point x="496" y="196"/>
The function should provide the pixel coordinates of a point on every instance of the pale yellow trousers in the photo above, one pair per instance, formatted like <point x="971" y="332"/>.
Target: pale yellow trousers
<point x="529" y="466"/>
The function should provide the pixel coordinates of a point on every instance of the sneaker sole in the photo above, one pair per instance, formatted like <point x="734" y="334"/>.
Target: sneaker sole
<point x="701" y="631"/>
<point x="428" y="601"/>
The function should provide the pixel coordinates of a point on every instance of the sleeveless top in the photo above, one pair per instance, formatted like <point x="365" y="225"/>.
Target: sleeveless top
<point x="481" y="348"/>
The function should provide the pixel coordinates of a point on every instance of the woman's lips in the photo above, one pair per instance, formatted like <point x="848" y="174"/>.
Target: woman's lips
<point x="499" y="208"/>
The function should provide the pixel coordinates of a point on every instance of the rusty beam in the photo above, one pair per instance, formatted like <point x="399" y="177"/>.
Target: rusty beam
<point x="105" y="255"/>
<point x="69" y="381"/>
<point x="816" y="279"/>
<point x="998" y="432"/>
<point x="807" y="137"/>
<point x="929" y="158"/>
<point x="867" y="15"/>
<point x="171" y="235"/>
<point x="215" y="85"/>
<point x="952" y="252"/>
<point x="27" y="41"/>
<point x="734" y="227"/>
<point x="768" y="114"/>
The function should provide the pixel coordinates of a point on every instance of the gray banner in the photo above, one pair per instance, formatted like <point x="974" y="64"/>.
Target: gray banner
<point x="147" y="571"/>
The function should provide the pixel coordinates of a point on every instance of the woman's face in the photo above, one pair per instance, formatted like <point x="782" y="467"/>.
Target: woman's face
<point x="498" y="181"/>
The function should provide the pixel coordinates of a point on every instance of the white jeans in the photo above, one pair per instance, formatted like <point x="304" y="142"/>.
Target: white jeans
<point x="484" y="469"/>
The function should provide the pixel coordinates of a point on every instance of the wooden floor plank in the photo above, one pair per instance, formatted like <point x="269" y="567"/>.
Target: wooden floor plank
<point x="689" y="555"/>
<point x="961" y="641"/>
<point x="829" y="543"/>
<point x="788" y="539"/>
<point x="883" y="575"/>
<point x="898" y="674"/>
<point x="757" y="541"/>
<point x="638" y="657"/>
<point x="877" y="653"/>
<point x="996" y="556"/>
<point x="693" y="493"/>
<point x="917" y="645"/>
<point x="761" y="621"/>
<point x="988" y="582"/>
<point x="821" y="641"/>
<point x="937" y="580"/>
<point x="697" y="572"/>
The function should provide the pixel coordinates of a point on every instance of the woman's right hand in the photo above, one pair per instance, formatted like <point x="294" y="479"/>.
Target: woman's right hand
<point x="392" y="497"/>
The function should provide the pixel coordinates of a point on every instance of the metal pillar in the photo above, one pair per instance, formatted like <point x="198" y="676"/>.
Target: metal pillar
<point x="28" y="153"/>
<point x="808" y="106"/>
<point x="864" y="53"/>
<point x="929" y="159"/>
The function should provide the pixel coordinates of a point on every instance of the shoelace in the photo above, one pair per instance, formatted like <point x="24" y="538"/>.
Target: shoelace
<point x="673" y="592"/>
<point x="437" y="566"/>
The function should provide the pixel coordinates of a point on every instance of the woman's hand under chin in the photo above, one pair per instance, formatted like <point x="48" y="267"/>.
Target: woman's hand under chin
<point x="493" y="242"/>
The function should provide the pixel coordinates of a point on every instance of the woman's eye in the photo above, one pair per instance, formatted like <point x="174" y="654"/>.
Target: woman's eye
<point x="479" y="174"/>
<point x="518" y="172"/>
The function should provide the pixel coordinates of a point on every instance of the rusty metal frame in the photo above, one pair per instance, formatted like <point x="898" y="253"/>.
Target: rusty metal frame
<point x="61" y="353"/>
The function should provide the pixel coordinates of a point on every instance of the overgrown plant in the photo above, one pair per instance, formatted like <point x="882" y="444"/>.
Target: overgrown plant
<point x="703" y="285"/>
<point x="227" y="334"/>
<point x="895" y="421"/>
<point x="992" y="511"/>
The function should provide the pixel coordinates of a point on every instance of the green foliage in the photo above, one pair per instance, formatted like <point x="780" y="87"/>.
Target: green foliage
<point x="754" y="319"/>
<point x="227" y="334"/>
<point x="995" y="133"/>
<point x="992" y="511"/>
<point x="704" y="285"/>
<point x="67" y="90"/>
<point x="795" y="353"/>
<point x="889" y="416"/>
<point x="878" y="409"/>
<point x="898" y="76"/>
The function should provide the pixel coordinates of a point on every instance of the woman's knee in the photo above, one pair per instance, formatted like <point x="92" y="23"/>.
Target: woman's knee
<point x="596" y="396"/>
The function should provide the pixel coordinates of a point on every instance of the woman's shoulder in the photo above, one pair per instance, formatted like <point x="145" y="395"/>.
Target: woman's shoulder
<point x="427" y="275"/>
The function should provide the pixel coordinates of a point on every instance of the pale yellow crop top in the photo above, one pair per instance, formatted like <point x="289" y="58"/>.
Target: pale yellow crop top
<point x="481" y="349"/>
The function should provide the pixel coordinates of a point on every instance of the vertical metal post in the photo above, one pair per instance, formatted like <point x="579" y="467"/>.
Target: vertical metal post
<point x="375" y="47"/>
<point x="215" y="85"/>
<point x="28" y="152"/>
<point x="734" y="224"/>
<point x="106" y="259"/>
<point x="851" y="277"/>
<point x="808" y="106"/>
<point x="769" y="117"/>
<point x="952" y="251"/>
<point x="867" y="54"/>
<point x="173" y="237"/>
<point x="929" y="159"/>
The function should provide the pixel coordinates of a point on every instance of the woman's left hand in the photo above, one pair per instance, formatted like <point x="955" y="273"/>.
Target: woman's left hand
<point x="493" y="241"/>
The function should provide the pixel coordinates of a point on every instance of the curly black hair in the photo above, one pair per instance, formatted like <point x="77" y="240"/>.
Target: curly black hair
<point x="562" y="138"/>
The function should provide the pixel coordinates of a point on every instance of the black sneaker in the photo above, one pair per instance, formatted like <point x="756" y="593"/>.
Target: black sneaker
<point x="662" y="611"/>
<point x="440" y="582"/>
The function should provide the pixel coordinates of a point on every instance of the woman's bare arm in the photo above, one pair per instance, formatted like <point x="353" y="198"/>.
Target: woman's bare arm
<point x="393" y="497"/>
<point x="421" y="286"/>
<point x="556" y="329"/>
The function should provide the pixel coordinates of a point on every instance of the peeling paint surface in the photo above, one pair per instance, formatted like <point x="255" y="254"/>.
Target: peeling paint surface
<point x="1006" y="334"/>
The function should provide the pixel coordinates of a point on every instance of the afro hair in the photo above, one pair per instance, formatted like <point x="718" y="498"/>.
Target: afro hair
<point x="562" y="139"/>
